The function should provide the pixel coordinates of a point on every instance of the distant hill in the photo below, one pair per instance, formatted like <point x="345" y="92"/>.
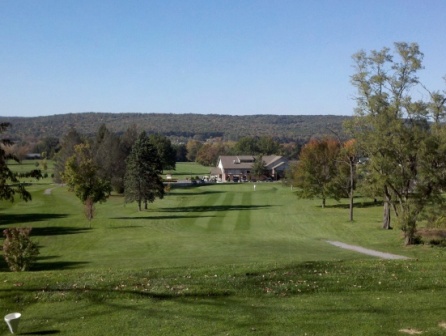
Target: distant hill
<point x="182" y="126"/>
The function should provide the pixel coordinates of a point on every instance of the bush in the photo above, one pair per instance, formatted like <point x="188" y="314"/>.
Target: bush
<point x="18" y="249"/>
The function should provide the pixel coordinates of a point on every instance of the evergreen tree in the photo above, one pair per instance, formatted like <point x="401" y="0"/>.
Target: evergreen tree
<point x="180" y="152"/>
<point x="9" y="184"/>
<point x="109" y="158"/>
<point x="165" y="150"/>
<point x="142" y="179"/>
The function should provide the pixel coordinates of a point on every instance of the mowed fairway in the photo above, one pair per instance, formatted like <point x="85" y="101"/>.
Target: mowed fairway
<point x="221" y="259"/>
<point x="205" y="225"/>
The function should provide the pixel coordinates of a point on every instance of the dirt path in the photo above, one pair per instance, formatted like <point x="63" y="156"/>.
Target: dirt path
<point x="366" y="251"/>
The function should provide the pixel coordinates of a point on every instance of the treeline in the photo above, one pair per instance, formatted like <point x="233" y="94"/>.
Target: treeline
<point x="207" y="153"/>
<point x="109" y="152"/>
<point x="203" y="152"/>
<point x="178" y="127"/>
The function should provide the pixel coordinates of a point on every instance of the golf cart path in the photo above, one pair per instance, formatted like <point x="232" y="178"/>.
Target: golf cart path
<point x="49" y="190"/>
<point x="363" y="250"/>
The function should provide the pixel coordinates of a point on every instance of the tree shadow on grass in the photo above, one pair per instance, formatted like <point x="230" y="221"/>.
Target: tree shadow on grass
<point x="357" y="205"/>
<point x="6" y="219"/>
<point x="159" y="217"/>
<point x="42" y="332"/>
<point x="56" y="230"/>
<point x="209" y="192"/>
<point x="47" y="265"/>
<point x="55" y="265"/>
<point x="3" y="266"/>
<point x="214" y="208"/>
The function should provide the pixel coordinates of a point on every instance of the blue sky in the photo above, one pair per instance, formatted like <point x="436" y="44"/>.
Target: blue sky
<point x="190" y="56"/>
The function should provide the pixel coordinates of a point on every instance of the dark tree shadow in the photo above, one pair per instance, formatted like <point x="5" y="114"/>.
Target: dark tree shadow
<point x="3" y="265"/>
<point x="56" y="265"/>
<point x="57" y="230"/>
<point x="41" y="265"/>
<point x="6" y="219"/>
<point x="42" y="332"/>
<point x="357" y="205"/>
<point x="157" y="217"/>
<point x="214" y="208"/>
<point x="209" y="192"/>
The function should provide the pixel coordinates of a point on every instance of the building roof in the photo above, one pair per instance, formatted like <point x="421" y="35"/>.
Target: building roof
<point x="215" y="171"/>
<point x="246" y="161"/>
<point x="237" y="162"/>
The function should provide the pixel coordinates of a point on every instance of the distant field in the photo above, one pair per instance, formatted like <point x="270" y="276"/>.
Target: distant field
<point x="185" y="170"/>
<point x="221" y="259"/>
<point x="28" y="165"/>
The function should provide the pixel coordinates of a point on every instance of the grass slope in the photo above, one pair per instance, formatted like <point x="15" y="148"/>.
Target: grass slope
<point x="217" y="260"/>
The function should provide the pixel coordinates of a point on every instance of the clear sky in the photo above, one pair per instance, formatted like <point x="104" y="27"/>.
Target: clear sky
<point x="235" y="57"/>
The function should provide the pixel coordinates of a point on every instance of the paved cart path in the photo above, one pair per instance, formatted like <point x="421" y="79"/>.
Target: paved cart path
<point x="49" y="190"/>
<point x="363" y="250"/>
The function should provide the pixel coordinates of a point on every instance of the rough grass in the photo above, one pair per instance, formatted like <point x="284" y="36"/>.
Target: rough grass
<point x="218" y="260"/>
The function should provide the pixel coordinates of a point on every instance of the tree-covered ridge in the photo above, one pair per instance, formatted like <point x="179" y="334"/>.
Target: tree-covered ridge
<point x="283" y="127"/>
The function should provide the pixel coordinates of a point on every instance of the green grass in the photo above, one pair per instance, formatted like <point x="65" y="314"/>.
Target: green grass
<point x="185" y="170"/>
<point x="218" y="260"/>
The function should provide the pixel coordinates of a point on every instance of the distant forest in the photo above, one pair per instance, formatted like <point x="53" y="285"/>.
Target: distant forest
<point x="178" y="127"/>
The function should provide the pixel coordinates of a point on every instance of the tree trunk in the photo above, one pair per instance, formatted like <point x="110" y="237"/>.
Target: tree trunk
<point x="139" y="205"/>
<point x="386" y="216"/>
<point x="410" y="230"/>
<point x="323" y="203"/>
<point x="386" y="213"/>
<point x="351" y="207"/>
<point x="145" y="204"/>
<point x="352" y="188"/>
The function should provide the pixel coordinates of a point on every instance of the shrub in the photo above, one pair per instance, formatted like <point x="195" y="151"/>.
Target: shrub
<point x="18" y="249"/>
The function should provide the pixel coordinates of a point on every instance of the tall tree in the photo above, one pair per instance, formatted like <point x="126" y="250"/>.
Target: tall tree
<point x="68" y="142"/>
<point x="209" y="153"/>
<point x="48" y="147"/>
<point x="142" y="179"/>
<point x="317" y="168"/>
<point x="128" y="139"/>
<point x="109" y="158"/>
<point x="193" y="146"/>
<point x="181" y="152"/>
<point x="290" y="150"/>
<point x="82" y="176"/>
<point x="165" y="150"/>
<point x="268" y="146"/>
<point x="345" y="180"/>
<point x="247" y="146"/>
<point x="258" y="168"/>
<point x="403" y="139"/>
<point x="9" y="184"/>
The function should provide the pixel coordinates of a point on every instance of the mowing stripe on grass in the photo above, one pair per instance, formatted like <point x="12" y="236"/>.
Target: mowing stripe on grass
<point x="243" y="222"/>
<point x="221" y="210"/>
